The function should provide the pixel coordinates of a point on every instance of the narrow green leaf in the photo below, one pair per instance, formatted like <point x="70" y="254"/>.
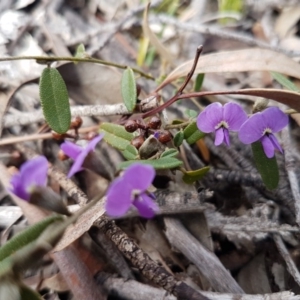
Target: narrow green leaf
<point x="267" y="167"/>
<point x="169" y="153"/>
<point x="178" y="138"/>
<point x="159" y="164"/>
<point x="191" y="113"/>
<point x="129" y="89"/>
<point x="116" y="135"/>
<point x="27" y="236"/>
<point x="29" y="294"/>
<point x="192" y="134"/>
<point x="284" y="81"/>
<point x="130" y="152"/>
<point x="80" y="51"/>
<point x="198" y="82"/>
<point x="191" y="176"/>
<point x="177" y="122"/>
<point x="55" y="100"/>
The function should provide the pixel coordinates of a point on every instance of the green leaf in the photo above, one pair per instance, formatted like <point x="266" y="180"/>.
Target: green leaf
<point x="55" y="100"/>
<point x="191" y="113"/>
<point x="130" y="152"/>
<point x="116" y="135"/>
<point x="192" y="134"/>
<point x="198" y="82"/>
<point x="191" y="176"/>
<point x="80" y="51"/>
<point x="267" y="167"/>
<point x="159" y="164"/>
<point x="169" y="153"/>
<point x="129" y="89"/>
<point x="284" y="81"/>
<point x="29" y="294"/>
<point x="178" y="138"/>
<point x="27" y="236"/>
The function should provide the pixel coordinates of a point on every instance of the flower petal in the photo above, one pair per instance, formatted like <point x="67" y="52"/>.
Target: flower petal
<point x="32" y="173"/>
<point x="77" y="166"/>
<point x="139" y="176"/>
<point x="71" y="149"/>
<point x="17" y="187"/>
<point x="118" y="198"/>
<point x="219" y="136"/>
<point x="268" y="146"/>
<point x="275" y="119"/>
<point x="275" y="142"/>
<point x="226" y="137"/>
<point x="210" y="117"/>
<point x="234" y="115"/>
<point x="146" y="206"/>
<point x="252" y="130"/>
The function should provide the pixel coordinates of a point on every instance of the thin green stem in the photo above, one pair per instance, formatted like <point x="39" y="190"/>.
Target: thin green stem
<point x="176" y="126"/>
<point x="47" y="59"/>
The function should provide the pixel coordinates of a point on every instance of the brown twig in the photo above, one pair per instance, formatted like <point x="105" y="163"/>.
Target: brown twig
<point x="150" y="269"/>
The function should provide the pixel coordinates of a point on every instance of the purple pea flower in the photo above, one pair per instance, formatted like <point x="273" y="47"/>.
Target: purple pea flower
<point x="221" y="119"/>
<point x="261" y="126"/>
<point x="78" y="154"/>
<point x="32" y="173"/>
<point x="131" y="189"/>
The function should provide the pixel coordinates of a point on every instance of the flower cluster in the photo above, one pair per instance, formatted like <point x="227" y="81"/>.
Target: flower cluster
<point x="231" y="117"/>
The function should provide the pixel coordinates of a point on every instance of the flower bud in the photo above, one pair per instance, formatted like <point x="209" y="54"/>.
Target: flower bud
<point x="138" y="141"/>
<point x="164" y="136"/>
<point x="260" y="104"/>
<point x="76" y="123"/>
<point x="131" y="126"/>
<point x="154" y="123"/>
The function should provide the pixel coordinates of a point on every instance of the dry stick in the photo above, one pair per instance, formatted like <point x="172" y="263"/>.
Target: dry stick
<point x="69" y="262"/>
<point x="49" y="59"/>
<point x="207" y="262"/>
<point x="290" y="169"/>
<point x="41" y="136"/>
<point x="150" y="269"/>
<point x="291" y="266"/>
<point x="127" y="17"/>
<point x="220" y="32"/>
<point x="26" y="118"/>
<point x="130" y="289"/>
<point x="141" y="260"/>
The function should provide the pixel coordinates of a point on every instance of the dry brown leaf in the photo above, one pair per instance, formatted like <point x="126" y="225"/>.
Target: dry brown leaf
<point x="56" y="283"/>
<point x="82" y="225"/>
<point x="289" y="98"/>
<point x="164" y="53"/>
<point x="252" y="59"/>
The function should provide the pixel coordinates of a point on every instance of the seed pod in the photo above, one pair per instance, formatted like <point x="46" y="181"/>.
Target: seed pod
<point x="131" y="126"/>
<point x="164" y="136"/>
<point x="138" y="141"/>
<point x="76" y="123"/>
<point x="154" y="123"/>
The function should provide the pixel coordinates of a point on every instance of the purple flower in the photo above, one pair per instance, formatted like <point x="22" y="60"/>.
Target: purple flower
<point x="221" y="119"/>
<point x="261" y="126"/>
<point x="131" y="189"/>
<point x="78" y="154"/>
<point x="32" y="173"/>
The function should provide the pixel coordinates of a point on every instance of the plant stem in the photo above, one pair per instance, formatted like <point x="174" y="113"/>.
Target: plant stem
<point x="47" y="59"/>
